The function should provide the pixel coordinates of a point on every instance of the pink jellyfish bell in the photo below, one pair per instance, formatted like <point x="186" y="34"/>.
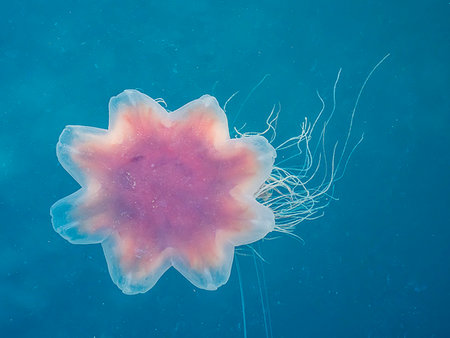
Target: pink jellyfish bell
<point x="162" y="189"/>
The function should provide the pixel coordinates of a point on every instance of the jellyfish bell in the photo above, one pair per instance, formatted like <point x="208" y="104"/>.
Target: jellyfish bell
<point x="161" y="190"/>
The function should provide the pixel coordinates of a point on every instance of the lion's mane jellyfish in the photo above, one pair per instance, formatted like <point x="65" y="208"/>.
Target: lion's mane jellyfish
<point x="171" y="189"/>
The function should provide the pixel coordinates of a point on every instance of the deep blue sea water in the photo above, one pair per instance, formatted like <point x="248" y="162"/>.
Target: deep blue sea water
<point x="375" y="265"/>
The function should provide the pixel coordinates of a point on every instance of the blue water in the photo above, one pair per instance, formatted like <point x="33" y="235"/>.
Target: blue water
<point x="375" y="265"/>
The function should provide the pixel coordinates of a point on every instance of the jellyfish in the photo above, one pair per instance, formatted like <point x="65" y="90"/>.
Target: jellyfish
<point x="164" y="189"/>
<point x="167" y="189"/>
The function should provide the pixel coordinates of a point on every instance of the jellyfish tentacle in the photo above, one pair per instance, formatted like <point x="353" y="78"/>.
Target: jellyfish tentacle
<point x="300" y="192"/>
<point x="241" y="289"/>
<point x="355" y="107"/>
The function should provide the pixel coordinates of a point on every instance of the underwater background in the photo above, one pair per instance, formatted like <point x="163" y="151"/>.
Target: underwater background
<point x="375" y="265"/>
